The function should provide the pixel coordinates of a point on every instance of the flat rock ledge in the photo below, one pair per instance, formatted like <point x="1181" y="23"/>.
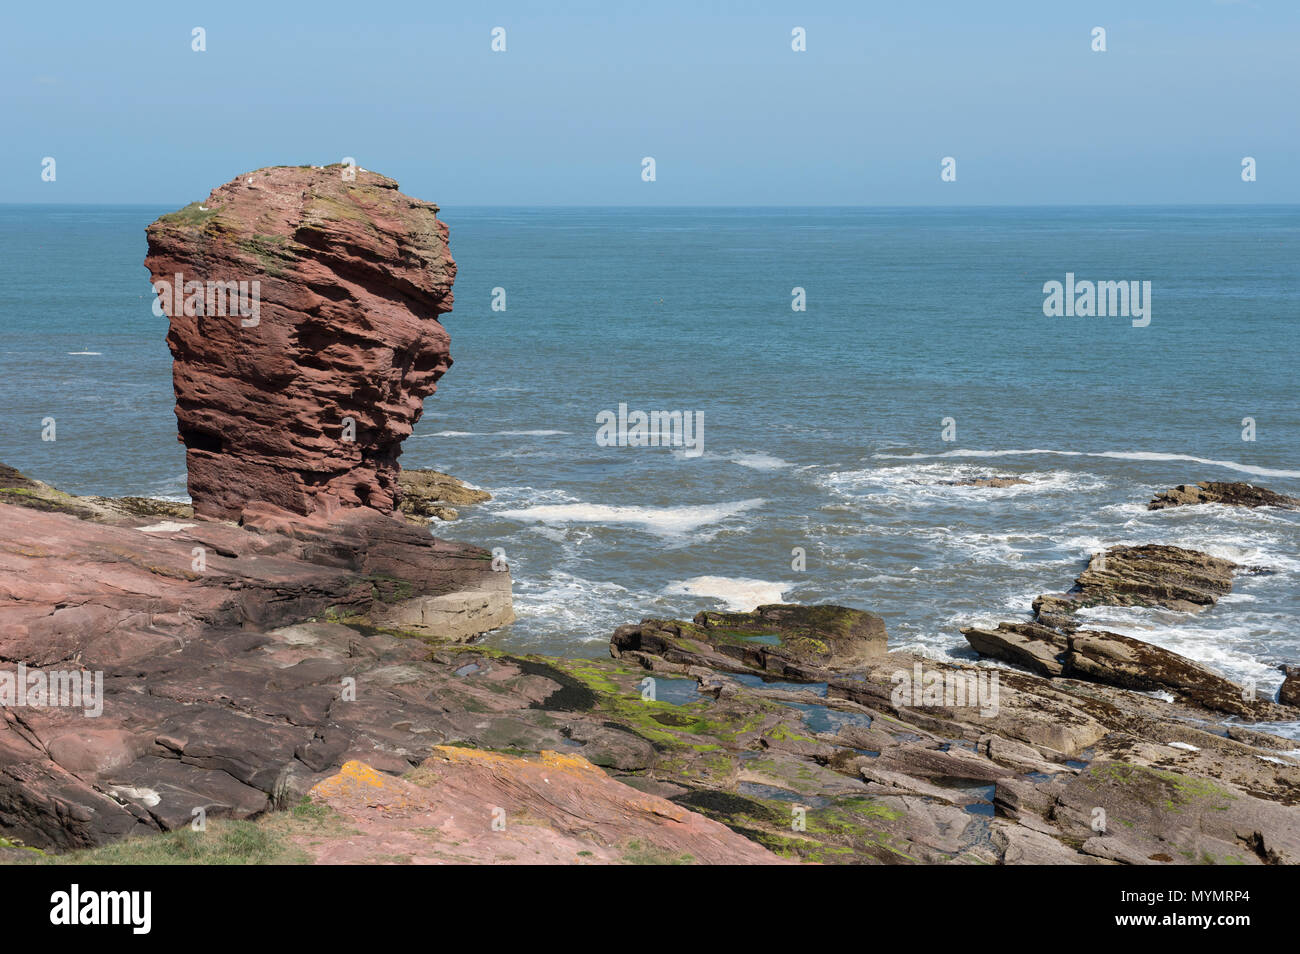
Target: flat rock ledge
<point x="1053" y="644"/>
<point x="887" y="773"/>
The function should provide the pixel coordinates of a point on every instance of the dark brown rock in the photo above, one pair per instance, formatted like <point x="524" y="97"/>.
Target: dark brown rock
<point x="1233" y="494"/>
<point x="1150" y="575"/>
<point x="787" y="641"/>
<point x="1036" y="647"/>
<point x="1289" y="694"/>
<point x="988" y="482"/>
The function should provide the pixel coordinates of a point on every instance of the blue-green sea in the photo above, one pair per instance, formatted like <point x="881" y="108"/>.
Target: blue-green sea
<point x="823" y="429"/>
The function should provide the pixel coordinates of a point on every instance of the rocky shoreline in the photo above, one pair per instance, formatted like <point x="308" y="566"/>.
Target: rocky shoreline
<point x="769" y="736"/>
<point x="289" y="661"/>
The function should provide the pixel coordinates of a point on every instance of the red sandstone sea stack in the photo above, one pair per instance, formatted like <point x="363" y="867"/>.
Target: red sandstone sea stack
<point x="298" y="390"/>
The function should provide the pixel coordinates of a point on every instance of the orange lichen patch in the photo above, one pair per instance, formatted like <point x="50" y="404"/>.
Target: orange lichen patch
<point x="352" y="779"/>
<point x="568" y="763"/>
<point x="467" y="805"/>
<point x="556" y="760"/>
<point x="561" y="779"/>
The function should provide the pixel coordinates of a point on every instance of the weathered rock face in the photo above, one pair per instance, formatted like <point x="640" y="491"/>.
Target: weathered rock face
<point x="1116" y="660"/>
<point x="566" y="811"/>
<point x="299" y="391"/>
<point x="201" y="706"/>
<point x="1235" y="494"/>
<point x="1150" y="575"/>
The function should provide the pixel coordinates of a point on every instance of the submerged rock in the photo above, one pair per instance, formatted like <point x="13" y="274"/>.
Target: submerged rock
<point x="987" y="482"/>
<point x="1233" y="494"/>
<point x="298" y="391"/>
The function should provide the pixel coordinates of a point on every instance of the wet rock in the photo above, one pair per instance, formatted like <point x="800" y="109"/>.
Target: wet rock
<point x="1289" y="693"/>
<point x="987" y="482"/>
<point x="1150" y="575"/>
<point x="783" y="640"/>
<point x="1111" y="658"/>
<point x="1132" y="664"/>
<point x="427" y="493"/>
<point x="1232" y="494"/>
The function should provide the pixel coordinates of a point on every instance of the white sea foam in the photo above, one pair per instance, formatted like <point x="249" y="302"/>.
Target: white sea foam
<point x="754" y="461"/>
<point x="760" y="461"/>
<point x="667" y="521"/>
<point x="1227" y="645"/>
<point x="1114" y="455"/>
<point x="583" y="609"/>
<point x="738" y="594"/>
<point x="926" y="485"/>
<point x="498" y="433"/>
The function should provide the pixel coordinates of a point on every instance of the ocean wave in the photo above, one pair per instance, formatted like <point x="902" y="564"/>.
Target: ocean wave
<point x="1114" y="455"/>
<point x="1228" y="647"/>
<point x="739" y="594"/>
<point x="923" y="485"/>
<point x="755" y="461"/>
<point x="498" y="433"/>
<point x="760" y="461"/>
<point x="666" y="521"/>
<point x="580" y="609"/>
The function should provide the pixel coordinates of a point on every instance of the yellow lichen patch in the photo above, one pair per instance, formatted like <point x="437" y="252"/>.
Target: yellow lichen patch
<point x="353" y="776"/>
<point x="568" y="763"/>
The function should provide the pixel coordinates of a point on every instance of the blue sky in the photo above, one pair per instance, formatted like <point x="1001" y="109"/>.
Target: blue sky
<point x="712" y="91"/>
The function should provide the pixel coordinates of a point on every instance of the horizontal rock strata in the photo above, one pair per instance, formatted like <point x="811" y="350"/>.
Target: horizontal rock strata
<point x="1150" y="575"/>
<point x="201" y="706"/>
<point x="302" y="402"/>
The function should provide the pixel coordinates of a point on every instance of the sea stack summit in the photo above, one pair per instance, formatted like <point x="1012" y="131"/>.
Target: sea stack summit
<point x="303" y="306"/>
